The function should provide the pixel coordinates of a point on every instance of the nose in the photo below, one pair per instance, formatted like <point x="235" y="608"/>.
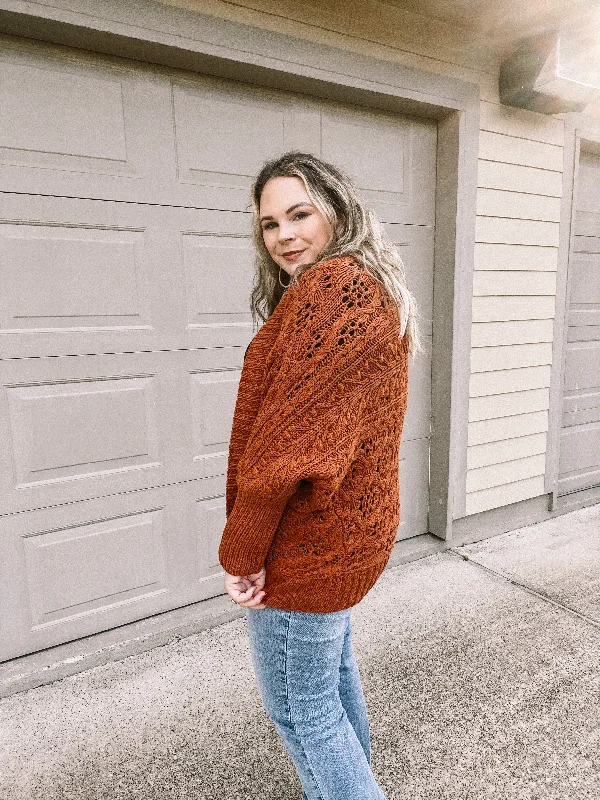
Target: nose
<point x="286" y="231"/>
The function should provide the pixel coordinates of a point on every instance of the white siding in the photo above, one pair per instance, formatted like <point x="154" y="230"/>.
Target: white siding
<point x="518" y="207"/>
<point x="495" y="256"/>
<point x="513" y="332"/>
<point x="509" y="380"/>
<point x="483" y="455"/>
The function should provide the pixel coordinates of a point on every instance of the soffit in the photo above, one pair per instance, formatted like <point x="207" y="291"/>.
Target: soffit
<point x="504" y="23"/>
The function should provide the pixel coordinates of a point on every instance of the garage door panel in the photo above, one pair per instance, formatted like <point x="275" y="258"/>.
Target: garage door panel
<point x="84" y="568"/>
<point x="87" y="277"/>
<point x="225" y="131"/>
<point x="418" y="412"/>
<point x="381" y="152"/>
<point x="579" y="459"/>
<point x="219" y="272"/>
<point x="586" y="408"/>
<point x="208" y="520"/>
<point x="414" y="508"/>
<point x="585" y="282"/>
<point x="64" y="429"/>
<point x="212" y="403"/>
<point x="580" y="447"/>
<point x="76" y="569"/>
<point x="64" y="118"/>
<point x="224" y="142"/>
<point x="587" y="223"/>
<point x="80" y="427"/>
<point x="58" y="277"/>
<point x="582" y="366"/>
<point x="586" y="244"/>
<point x="587" y="184"/>
<point x="415" y="244"/>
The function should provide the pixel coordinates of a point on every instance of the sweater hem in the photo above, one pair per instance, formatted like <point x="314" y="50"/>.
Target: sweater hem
<point x="317" y="593"/>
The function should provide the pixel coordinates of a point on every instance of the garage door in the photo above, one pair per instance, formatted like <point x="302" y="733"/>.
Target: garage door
<point x="579" y="465"/>
<point x="125" y="277"/>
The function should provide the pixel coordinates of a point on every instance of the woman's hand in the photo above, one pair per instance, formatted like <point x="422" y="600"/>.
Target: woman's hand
<point x="246" y="590"/>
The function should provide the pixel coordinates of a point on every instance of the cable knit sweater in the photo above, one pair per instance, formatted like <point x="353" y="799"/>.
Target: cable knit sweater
<point x="312" y="480"/>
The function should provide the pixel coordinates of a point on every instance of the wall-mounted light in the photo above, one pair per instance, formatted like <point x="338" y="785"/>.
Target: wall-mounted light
<point x="550" y="74"/>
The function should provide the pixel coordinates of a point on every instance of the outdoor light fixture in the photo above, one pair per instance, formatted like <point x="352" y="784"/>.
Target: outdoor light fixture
<point x="551" y="74"/>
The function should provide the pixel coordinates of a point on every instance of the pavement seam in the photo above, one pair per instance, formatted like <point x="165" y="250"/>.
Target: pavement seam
<point x="530" y="589"/>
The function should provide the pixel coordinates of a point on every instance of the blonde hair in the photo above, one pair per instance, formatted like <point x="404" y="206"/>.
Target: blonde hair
<point x="355" y="231"/>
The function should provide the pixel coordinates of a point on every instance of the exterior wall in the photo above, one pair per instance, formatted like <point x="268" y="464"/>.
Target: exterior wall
<point x="516" y="257"/>
<point x="519" y="197"/>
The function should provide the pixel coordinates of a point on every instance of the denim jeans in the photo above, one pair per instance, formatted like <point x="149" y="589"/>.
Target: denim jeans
<point x="310" y="687"/>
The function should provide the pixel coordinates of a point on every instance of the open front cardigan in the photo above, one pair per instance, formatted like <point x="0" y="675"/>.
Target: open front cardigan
<point x="312" y="479"/>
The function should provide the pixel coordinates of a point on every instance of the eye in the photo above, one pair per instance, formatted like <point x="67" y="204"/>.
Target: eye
<point x="269" y="226"/>
<point x="302" y="215"/>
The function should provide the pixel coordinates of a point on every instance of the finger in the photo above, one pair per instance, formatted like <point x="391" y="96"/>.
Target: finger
<point x="243" y="596"/>
<point x="254" y="602"/>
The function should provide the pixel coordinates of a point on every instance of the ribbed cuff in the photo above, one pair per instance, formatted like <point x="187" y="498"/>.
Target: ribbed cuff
<point x="249" y="532"/>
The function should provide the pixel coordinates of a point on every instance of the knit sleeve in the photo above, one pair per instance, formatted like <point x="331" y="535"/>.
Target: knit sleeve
<point x="246" y="409"/>
<point x="337" y="339"/>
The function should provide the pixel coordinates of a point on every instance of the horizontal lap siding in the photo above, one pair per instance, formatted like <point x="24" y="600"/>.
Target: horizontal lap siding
<point x="514" y="289"/>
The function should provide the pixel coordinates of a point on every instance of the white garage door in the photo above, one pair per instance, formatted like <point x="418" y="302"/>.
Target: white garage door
<point x="126" y="268"/>
<point x="579" y="465"/>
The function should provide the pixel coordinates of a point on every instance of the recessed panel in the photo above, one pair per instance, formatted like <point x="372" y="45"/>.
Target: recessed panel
<point x="415" y="246"/>
<point x="76" y="127"/>
<point x="582" y="366"/>
<point x="90" y="568"/>
<point x="71" y="429"/>
<point x="581" y="409"/>
<point x="48" y="111"/>
<point x="223" y="138"/>
<point x="414" y="501"/>
<point x="58" y="277"/>
<point x="219" y="272"/>
<point x="587" y="224"/>
<point x="370" y="148"/>
<point x="579" y="448"/>
<point x="585" y="280"/>
<point x="213" y="396"/>
<point x="210" y="519"/>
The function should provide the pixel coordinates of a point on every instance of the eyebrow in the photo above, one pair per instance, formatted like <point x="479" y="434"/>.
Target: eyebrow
<point x="290" y="209"/>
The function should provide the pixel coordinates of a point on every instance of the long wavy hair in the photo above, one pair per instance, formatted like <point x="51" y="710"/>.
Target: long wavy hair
<point x="355" y="230"/>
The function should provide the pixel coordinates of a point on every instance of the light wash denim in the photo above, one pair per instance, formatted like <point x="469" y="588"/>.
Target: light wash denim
<point x="310" y="687"/>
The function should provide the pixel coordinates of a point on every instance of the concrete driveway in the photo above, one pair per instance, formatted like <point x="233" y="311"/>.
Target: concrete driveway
<point x="482" y="679"/>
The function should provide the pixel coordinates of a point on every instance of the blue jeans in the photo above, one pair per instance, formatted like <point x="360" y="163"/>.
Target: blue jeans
<point x="310" y="687"/>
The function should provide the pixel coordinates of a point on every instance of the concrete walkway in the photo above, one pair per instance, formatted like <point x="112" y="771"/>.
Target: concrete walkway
<point x="482" y="678"/>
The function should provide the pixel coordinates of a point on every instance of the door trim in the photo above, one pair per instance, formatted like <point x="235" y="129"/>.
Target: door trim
<point x="151" y="34"/>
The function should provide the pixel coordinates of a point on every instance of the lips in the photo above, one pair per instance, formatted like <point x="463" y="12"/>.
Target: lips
<point x="291" y="255"/>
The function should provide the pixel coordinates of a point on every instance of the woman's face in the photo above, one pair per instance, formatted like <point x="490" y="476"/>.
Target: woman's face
<point x="294" y="230"/>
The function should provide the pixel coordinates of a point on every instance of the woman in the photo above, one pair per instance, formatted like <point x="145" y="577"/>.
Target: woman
<point x="312" y="497"/>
